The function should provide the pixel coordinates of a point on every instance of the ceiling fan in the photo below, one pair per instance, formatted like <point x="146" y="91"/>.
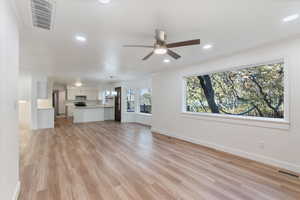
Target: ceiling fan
<point x="161" y="46"/>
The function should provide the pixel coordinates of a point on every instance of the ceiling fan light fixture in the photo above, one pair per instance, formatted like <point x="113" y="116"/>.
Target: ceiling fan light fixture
<point x="160" y="50"/>
<point x="161" y="46"/>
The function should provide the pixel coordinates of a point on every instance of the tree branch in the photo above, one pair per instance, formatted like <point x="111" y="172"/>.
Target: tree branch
<point x="243" y="113"/>
<point x="268" y="102"/>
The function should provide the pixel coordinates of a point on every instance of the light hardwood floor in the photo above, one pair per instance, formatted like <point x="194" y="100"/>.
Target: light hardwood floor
<point x="108" y="160"/>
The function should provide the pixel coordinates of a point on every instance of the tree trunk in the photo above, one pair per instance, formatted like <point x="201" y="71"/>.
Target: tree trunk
<point x="209" y="92"/>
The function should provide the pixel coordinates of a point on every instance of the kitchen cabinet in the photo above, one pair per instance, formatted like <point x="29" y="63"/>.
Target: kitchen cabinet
<point x="71" y="93"/>
<point x="109" y="113"/>
<point x="70" y="110"/>
<point x="91" y="94"/>
<point x="84" y="92"/>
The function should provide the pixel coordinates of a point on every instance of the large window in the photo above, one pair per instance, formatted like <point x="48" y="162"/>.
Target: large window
<point x="130" y="100"/>
<point x="145" y="101"/>
<point x="254" y="91"/>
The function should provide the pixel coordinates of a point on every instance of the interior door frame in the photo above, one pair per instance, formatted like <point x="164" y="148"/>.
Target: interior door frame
<point x="118" y="104"/>
<point x="55" y="102"/>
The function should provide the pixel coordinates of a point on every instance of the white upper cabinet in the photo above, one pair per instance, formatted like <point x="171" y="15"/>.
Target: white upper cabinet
<point x="71" y="93"/>
<point x="42" y="90"/>
<point x="84" y="92"/>
<point x="91" y="94"/>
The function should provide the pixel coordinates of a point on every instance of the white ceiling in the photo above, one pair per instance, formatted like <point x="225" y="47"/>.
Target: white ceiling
<point x="230" y="25"/>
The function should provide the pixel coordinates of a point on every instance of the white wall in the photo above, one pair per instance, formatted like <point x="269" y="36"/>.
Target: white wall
<point x="145" y="119"/>
<point x="136" y="85"/>
<point x="9" y="66"/>
<point x="28" y="91"/>
<point x="24" y="115"/>
<point x="24" y="90"/>
<point x="24" y="83"/>
<point x="39" y="103"/>
<point x="281" y="146"/>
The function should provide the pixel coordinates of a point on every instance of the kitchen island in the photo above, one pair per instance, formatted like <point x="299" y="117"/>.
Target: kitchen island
<point x="95" y="113"/>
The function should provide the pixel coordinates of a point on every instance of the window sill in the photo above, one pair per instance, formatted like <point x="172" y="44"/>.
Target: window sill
<point x="130" y="112"/>
<point x="243" y="120"/>
<point x="145" y="114"/>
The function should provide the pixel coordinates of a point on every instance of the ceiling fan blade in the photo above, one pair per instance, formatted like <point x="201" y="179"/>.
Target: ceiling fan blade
<point x="173" y="54"/>
<point x="142" y="46"/>
<point x="148" y="56"/>
<point x="184" y="43"/>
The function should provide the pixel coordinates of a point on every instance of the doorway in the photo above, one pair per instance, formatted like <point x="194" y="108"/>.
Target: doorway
<point x="61" y="103"/>
<point x="59" y="98"/>
<point x="55" y="96"/>
<point x="118" y="104"/>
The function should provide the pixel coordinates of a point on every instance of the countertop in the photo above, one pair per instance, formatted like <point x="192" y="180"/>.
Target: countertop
<point x="45" y="108"/>
<point x="93" y="107"/>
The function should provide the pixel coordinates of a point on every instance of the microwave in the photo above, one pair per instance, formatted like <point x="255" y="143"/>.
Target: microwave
<point x="80" y="98"/>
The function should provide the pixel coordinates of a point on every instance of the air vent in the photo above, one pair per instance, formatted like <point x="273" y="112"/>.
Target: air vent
<point x="42" y="13"/>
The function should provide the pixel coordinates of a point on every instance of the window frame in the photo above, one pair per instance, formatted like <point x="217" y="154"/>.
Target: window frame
<point x="276" y="123"/>
<point x="135" y="101"/>
<point x="139" y="101"/>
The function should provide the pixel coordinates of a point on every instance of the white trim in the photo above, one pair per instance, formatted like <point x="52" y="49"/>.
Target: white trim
<point x="125" y="99"/>
<point x="138" y="110"/>
<point x="286" y="90"/>
<point x="251" y="156"/>
<point x="127" y="112"/>
<point x="144" y="114"/>
<point x="239" y="67"/>
<point x="17" y="191"/>
<point x="183" y="99"/>
<point x="243" y="120"/>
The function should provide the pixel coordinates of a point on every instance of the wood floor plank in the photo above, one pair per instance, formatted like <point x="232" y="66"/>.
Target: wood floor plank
<point x="113" y="161"/>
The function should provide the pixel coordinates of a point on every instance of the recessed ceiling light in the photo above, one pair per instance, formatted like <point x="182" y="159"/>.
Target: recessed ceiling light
<point x="290" y="18"/>
<point x="80" y="38"/>
<point x="104" y="1"/>
<point x="78" y="84"/>
<point x="207" y="46"/>
<point x="166" y="60"/>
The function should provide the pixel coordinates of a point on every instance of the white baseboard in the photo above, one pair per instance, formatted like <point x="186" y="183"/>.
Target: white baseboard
<point x="251" y="156"/>
<point x="17" y="191"/>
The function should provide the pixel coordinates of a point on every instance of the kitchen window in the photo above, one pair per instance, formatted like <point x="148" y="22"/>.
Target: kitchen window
<point x="145" y="101"/>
